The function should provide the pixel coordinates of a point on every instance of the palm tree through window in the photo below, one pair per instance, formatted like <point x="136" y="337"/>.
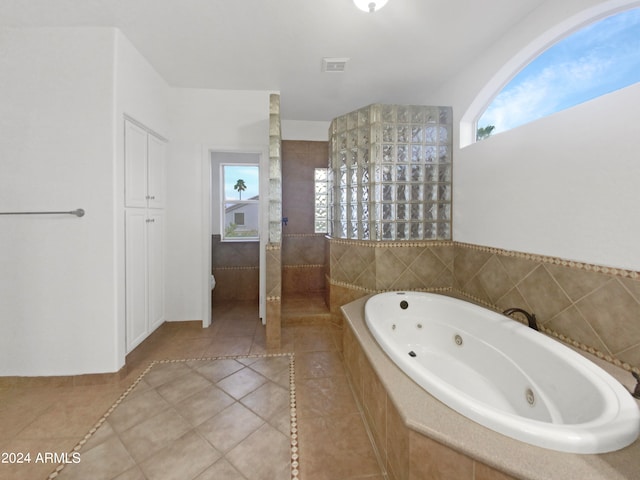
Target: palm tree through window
<point x="241" y="203"/>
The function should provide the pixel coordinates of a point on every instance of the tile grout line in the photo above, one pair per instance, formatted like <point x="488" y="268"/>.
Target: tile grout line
<point x="293" y="422"/>
<point x="367" y="428"/>
<point x="295" y="458"/>
<point x="103" y="419"/>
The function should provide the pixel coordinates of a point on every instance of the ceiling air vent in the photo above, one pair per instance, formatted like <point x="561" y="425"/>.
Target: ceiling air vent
<point x="334" y="65"/>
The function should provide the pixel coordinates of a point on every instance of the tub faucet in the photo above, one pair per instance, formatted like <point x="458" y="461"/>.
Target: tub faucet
<point x="531" y="318"/>
<point x="636" y="392"/>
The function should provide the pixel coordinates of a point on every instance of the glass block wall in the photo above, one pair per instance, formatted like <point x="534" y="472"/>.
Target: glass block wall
<point x="390" y="173"/>
<point x="321" y="200"/>
<point x="275" y="170"/>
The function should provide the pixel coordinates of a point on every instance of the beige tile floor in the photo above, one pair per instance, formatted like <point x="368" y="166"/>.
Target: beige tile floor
<point x="53" y="416"/>
<point x="194" y="420"/>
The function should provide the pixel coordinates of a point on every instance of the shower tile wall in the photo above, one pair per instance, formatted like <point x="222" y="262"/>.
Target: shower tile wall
<point x="594" y="308"/>
<point x="303" y="269"/>
<point x="235" y="266"/>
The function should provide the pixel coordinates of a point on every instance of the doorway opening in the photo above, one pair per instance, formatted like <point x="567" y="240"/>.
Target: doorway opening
<point x="305" y="224"/>
<point x="237" y="231"/>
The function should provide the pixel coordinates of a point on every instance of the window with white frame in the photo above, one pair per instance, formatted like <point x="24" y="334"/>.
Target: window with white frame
<point x="241" y="202"/>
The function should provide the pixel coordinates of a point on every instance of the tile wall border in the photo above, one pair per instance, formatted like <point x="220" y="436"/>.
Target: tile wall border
<point x="293" y="235"/>
<point x="304" y="265"/>
<point x="369" y="291"/>
<point x="236" y="268"/>
<point x="618" y="272"/>
<point x="385" y="244"/>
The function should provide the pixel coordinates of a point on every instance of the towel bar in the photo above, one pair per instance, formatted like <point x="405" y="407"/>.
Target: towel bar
<point x="78" y="213"/>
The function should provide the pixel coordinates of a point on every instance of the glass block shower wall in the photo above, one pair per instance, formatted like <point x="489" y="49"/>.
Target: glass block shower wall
<point x="275" y="170"/>
<point x="390" y="173"/>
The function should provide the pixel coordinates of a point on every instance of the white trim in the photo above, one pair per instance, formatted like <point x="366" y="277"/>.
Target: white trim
<point x="206" y="243"/>
<point x="206" y="166"/>
<point x="510" y="69"/>
<point x="144" y="127"/>
<point x="224" y="201"/>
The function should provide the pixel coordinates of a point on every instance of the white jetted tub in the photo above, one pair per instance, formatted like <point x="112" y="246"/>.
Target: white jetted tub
<point x="503" y="374"/>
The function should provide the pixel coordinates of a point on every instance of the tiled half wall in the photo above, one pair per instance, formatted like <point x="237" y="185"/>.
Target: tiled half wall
<point x="274" y="294"/>
<point x="235" y="266"/>
<point x="591" y="307"/>
<point x="302" y="264"/>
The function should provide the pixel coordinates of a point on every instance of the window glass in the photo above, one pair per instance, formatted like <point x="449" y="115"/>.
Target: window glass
<point x="321" y="222"/>
<point x="597" y="59"/>
<point x="241" y="205"/>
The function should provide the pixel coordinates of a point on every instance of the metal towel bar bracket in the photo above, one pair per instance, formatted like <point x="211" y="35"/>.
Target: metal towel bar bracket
<point x="79" y="212"/>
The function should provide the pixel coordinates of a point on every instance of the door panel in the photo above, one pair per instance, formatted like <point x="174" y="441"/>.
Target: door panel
<point x="155" y="228"/>
<point x="136" y="277"/>
<point x="135" y="168"/>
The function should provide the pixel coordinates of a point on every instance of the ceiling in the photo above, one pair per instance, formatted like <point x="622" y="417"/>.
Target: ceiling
<point x="397" y="55"/>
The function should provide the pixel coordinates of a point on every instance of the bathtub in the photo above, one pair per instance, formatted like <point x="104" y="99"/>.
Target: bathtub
<point x="503" y="374"/>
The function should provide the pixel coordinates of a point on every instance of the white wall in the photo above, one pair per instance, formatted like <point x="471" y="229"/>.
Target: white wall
<point x="202" y="121"/>
<point x="64" y="94"/>
<point x="142" y="94"/>
<point x="563" y="186"/>
<point x="57" y="277"/>
<point x="305" y="130"/>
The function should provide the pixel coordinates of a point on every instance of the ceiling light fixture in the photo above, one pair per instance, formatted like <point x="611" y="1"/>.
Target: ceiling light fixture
<point x="370" y="5"/>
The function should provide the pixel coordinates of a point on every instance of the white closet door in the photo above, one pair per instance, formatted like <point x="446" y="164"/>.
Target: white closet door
<point x="135" y="167"/>
<point x="156" y="168"/>
<point x="155" y="233"/>
<point x="136" y="277"/>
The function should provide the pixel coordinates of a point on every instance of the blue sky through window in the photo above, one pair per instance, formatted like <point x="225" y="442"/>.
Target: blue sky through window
<point x="248" y="173"/>
<point x="595" y="60"/>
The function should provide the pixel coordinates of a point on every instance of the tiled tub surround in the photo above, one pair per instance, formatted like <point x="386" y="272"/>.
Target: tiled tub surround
<point x="379" y="266"/>
<point x="591" y="307"/>
<point x="596" y="309"/>
<point x="419" y="437"/>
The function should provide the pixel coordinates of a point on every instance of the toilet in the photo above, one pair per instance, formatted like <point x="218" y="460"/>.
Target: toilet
<point x="212" y="282"/>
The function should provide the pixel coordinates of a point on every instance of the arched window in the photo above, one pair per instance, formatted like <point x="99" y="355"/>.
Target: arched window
<point x="597" y="59"/>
